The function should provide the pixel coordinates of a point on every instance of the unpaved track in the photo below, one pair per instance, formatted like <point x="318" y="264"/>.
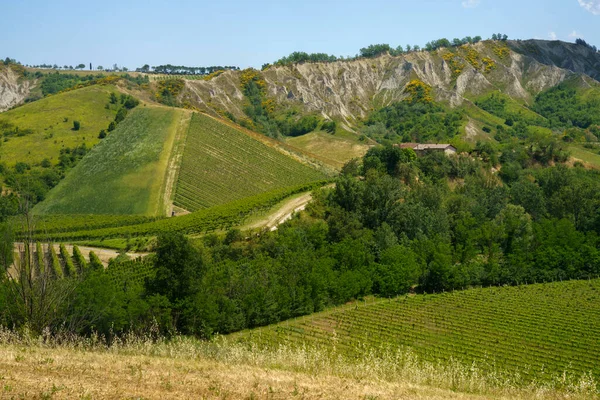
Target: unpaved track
<point x="175" y="162"/>
<point x="283" y="213"/>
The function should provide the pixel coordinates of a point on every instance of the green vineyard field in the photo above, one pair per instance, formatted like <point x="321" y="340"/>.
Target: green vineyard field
<point x="132" y="271"/>
<point x="221" y="164"/>
<point x="52" y="224"/>
<point x="62" y="264"/>
<point x="537" y="331"/>
<point x="215" y="218"/>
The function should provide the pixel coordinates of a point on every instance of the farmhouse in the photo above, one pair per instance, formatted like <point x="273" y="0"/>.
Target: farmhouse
<point x="422" y="148"/>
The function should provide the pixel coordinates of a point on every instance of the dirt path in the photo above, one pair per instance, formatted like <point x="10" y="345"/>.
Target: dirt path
<point x="282" y="213"/>
<point x="174" y="163"/>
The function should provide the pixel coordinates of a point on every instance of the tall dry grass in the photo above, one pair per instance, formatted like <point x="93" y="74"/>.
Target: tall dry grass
<point x="388" y="373"/>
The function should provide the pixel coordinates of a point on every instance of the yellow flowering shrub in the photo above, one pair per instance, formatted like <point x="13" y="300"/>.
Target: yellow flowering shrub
<point x="456" y="66"/>
<point x="472" y="56"/>
<point x="251" y="75"/>
<point x="213" y="75"/>
<point x="488" y="65"/>
<point x="269" y="105"/>
<point x="418" y="91"/>
<point x="501" y="50"/>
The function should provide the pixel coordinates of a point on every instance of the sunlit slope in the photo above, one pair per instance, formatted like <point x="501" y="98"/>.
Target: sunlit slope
<point x="539" y="331"/>
<point x="334" y="150"/>
<point x="48" y="124"/>
<point x="126" y="173"/>
<point x="222" y="164"/>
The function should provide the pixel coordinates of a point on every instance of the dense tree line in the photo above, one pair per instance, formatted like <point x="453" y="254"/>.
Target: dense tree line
<point x="372" y="51"/>
<point x="582" y="42"/>
<point x="57" y="82"/>
<point x="394" y="223"/>
<point x="445" y="43"/>
<point x="169" y="69"/>
<point x="420" y="122"/>
<point x="299" y="57"/>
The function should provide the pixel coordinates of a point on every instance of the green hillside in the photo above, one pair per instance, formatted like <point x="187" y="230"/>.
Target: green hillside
<point x="538" y="331"/>
<point x="125" y="174"/>
<point x="221" y="164"/>
<point x="332" y="149"/>
<point x="45" y="126"/>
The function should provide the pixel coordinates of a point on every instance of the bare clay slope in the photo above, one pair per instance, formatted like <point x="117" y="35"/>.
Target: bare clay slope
<point x="13" y="89"/>
<point x="349" y="90"/>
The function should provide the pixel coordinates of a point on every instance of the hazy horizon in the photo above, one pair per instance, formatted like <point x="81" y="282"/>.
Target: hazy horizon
<point x="243" y="34"/>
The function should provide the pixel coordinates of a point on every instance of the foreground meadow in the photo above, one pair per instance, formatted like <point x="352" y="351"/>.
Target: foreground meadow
<point x="185" y="368"/>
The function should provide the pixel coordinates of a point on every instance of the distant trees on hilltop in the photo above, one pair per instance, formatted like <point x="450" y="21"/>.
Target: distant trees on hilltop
<point x="582" y="42"/>
<point x="183" y="70"/>
<point x="443" y="42"/>
<point x="301" y="57"/>
<point x="375" y="50"/>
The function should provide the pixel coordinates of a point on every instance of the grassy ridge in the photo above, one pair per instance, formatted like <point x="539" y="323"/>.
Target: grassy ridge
<point x="211" y="219"/>
<point x="221" y="164"/>
<point x="51" y="132"/>
<point x="538" y="330"/>
<point x="125" y="173"/>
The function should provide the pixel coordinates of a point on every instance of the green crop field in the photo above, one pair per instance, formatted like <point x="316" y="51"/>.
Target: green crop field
<point x="537" y="331"/>
<point x="57" y="223"/>
<point x="221" y="164"/>
<point x="125" y="173"/>
<point x="207" y="220"/>
<point x="51" y="122"/>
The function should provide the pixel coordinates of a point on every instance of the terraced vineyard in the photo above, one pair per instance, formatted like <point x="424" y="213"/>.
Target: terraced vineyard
<point x="52" y="224"/>
<point x="536" y="331"/>
<point x="221" y="164"/>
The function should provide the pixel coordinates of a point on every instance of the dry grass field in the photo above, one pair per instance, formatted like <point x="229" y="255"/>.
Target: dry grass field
<point x="188" y="369"/>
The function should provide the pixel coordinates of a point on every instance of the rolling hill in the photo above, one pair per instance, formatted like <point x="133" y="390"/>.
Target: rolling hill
<point x="46" y="125"/>
<point x="534" y="332"/>
<point x="221" y="164"/>
<point x="348" y="91"/>
<point x="126" y="173"/>
<point x="162" y="156"/>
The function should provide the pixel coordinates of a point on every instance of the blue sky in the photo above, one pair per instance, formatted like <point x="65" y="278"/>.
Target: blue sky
<point x="250" y="33"/>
